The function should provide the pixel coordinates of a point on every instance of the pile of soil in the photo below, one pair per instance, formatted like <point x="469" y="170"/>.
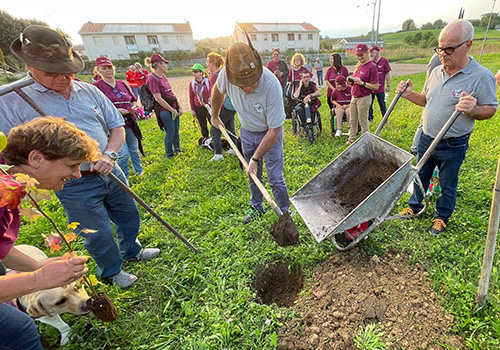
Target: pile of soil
<point x="361" y="185"/>
<point x="278" y="283"/>
<point x="284" y="231"/>
<point x="351" y="290"/>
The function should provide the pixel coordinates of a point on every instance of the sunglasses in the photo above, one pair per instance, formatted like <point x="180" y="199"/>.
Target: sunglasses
<point x="118" y="93"/>
<point x="196" y="71"/>
<point x="448" y="50"/>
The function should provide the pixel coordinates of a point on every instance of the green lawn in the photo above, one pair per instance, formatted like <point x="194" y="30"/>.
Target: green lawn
<point x="206" y="301"/>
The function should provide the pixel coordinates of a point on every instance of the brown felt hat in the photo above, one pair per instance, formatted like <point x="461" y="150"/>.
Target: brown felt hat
<point x="46" y="50"/>
<point x="243" y="64"/>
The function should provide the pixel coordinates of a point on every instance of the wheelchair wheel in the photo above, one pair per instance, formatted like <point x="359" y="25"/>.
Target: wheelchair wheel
<point x="294" y="123"/>
<point x="310" y="133"/>
<point x="333" y="121"/>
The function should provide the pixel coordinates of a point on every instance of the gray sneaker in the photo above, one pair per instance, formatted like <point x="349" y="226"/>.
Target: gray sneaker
<point x="123" y="279"/>
<point x="147" y="254"/>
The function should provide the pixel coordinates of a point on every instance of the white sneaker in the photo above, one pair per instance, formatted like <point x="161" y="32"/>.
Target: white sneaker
<point x="147" y="254"/>
<point x="217" y="157"/>
<point x="231" y="151"/>
<point x="123" y="279"/>
<point x="338" y="133"/>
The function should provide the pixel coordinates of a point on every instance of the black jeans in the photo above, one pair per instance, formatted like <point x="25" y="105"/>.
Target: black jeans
<point x="203" y="117"/>
<point x="381" y="102"/>
<point x="227" y="117"/>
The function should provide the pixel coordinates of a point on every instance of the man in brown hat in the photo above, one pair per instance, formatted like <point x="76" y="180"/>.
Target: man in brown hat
<point x="257" y="96"/>
<point x="92" y="200"/>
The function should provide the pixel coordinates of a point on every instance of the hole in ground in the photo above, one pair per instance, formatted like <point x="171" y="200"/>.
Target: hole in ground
<point x="279" y="283"/>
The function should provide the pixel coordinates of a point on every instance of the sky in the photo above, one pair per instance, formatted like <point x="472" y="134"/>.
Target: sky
<point x="210" y="19"/>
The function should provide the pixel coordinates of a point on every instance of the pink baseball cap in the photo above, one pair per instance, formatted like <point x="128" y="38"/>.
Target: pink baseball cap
<point x="103" y="61"/>
<point x="361" y="49"/>
<point x="156" y="57"/>
<point x="374" y="47"/>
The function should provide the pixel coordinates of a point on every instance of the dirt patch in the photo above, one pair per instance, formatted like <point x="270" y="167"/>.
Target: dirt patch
<point x="284" y="231"/>
<point x="278" y="283"/>
<point x="360" y="186"/>
<point x="351" y="290"/>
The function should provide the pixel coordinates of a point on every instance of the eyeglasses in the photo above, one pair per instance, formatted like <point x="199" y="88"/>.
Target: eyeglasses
<point x="196" y="71"/>
<point x="118" y="93"/>
<point x="448" y="50"/>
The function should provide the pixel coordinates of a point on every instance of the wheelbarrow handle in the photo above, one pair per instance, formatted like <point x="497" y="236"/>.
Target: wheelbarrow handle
<point x="389" y="110"/>
<point x="151" y="211"/>
<point x="254" y="177"/>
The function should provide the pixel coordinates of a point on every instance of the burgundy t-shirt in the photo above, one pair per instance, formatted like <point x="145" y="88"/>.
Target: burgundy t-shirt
<point x="331" y="74"/>
<point x="367" y="73"/>
<point x="342" y="97"/>
<point x="383" y="68"/>
<point x="161" y="85"/>
<point x="296" y="74"/>
<point x="121" y="95"/>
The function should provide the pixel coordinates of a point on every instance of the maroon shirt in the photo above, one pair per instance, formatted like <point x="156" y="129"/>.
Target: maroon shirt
<point x="296" y="74"/>
<point x="193" y="92"/>
<point x="383" y="68"/>
<point x="161" y="85"/>
<point x="342" y="97"/>
<point x="121" y="95"/>
<point x="331" y="74"/>
<point x="367" y="73"/>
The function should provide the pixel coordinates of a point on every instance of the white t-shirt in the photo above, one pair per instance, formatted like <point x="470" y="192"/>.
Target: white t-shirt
<point x="260" y="110"/>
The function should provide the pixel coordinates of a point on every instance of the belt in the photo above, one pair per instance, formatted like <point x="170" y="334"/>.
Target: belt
<point x="87" y="172"/>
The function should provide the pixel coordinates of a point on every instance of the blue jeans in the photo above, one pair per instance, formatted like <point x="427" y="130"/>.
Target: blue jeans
<point x="319" y="74"/>
<point x="250" y="141"/>
<point x="171" y="139"/>
<point x="135" y="90"/>
<point x="18" y="331"/>
<point x="381" y="102"/>
<point x="130" y="149"/>
<point x="448" y="157"/>
<point x="95" y="201"/>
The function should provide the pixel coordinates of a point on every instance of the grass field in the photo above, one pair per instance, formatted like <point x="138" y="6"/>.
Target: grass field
<point x="206" y="301"/>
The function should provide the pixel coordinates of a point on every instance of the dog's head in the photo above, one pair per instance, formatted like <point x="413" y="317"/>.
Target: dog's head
<point x="55" y="301"/>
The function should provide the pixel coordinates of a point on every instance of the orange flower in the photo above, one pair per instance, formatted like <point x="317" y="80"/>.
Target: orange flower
<point x="11" y="192"/>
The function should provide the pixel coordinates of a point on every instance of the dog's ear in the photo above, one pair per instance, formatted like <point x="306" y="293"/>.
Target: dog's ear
<point x="36" y="309"/>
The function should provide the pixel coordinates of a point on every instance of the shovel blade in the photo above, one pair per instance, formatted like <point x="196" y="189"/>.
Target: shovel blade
<point x="284" y="231"/>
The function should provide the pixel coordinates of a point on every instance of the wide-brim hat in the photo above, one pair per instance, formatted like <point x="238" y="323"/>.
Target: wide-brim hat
<point x="47" y="50"/>
<point x="243" y="65"/>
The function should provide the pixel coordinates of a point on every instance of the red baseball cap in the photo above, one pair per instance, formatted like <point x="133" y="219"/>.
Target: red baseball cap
<point x="361" y="49"/>
<point x="103" y="61"/>
<point x="340" y="79"/>
<point x="374" y="47"/>
<point x="156" y="57"/>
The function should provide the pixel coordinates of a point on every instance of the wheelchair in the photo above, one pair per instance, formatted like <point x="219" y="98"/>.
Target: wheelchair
<point x="311" y="130"/>
<point x="333" y="122"/>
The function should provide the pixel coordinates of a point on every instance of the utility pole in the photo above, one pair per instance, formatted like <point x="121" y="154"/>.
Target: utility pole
<point x="373" y="21"/>
<point x="378" y="21"/>
<point x="486" y="33"/>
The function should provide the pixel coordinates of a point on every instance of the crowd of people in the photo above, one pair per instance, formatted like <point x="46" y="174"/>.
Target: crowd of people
<point x="99" y="135"/>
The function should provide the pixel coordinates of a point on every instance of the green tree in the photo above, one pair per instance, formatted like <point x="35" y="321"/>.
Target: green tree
<point x="439" y="24"/>
<point x="409" y="24"/>
<point x="428" y="25"/>
<point x="3" y="65"/>
<point x="495" y="20"/>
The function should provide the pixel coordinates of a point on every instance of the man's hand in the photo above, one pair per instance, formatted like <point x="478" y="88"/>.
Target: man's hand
<point x="401" y="87"/>
<point x="466" y="104"/>
<point x="252" y="167"/>
<point x="103" y="165"/>
<point x="216" y="122"/>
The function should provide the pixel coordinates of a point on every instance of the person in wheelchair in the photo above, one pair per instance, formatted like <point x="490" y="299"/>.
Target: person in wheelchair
<point x="341" y="99"/>
<point x="306" y="93"/>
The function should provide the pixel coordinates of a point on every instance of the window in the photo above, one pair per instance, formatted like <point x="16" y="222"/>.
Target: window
<point x="265" y="37"/>
<point x="152" y="39"/>
<point x="134" y="56"/>
<point x="299" y="37"/>
<point x="130" y="40"/>
<point x="309" y="36"/>
<point x="291" y="37"/>
<point x="116" y="40"/>
<point x="98" y="40"/>
<point x="165" y="39"/>
<point x="274" y="37"/>
<point x="180" y="39"/>
<point x="253" y="37"/>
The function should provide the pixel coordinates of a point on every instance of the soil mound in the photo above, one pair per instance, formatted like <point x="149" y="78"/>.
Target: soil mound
<point x="278" y="283"/>
<point x="351" y="290"/>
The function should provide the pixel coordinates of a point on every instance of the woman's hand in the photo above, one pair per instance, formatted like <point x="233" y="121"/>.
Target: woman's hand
<point x="60" y="272"/>
<point x="123" y="111"/>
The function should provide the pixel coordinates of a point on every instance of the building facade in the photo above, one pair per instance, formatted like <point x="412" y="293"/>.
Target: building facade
<point x="125" y="40"/>
<point x="267" y="36"/>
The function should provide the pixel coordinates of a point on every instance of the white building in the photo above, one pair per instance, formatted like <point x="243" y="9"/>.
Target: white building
<point x="125" y="40"/>
<point x="267" y="36"/>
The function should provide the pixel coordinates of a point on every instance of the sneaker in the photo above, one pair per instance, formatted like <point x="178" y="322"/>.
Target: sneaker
<point x="217" y="157"/>
<point x="231" y="151"/>
<point x="348" y="142"/>
<point x="147" y="254"/>
<point x="438" y="227"/>
<point x="253" y="213"/>
<point x="123" y="279"/>
<point x="406" y="212"/>
<point x="338" y="133"/>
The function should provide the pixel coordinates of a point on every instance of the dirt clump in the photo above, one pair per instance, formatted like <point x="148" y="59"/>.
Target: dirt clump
<point x="351" y="290"/>
<point x="362" y="184"/>
<point x="103" y="308"/>
<point x="284" y="231"/>
<point x="278" y="283"/>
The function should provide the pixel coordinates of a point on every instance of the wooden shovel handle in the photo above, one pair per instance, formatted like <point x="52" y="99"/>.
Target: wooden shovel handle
<point x="259" y="184"/>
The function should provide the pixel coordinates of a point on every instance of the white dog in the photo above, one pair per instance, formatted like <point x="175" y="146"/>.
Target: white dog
<point x="46" y="305"/>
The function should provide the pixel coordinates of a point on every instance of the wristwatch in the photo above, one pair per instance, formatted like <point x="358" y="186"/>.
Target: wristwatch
<point x="364" y="83"/>
<point x="111" y="154"/>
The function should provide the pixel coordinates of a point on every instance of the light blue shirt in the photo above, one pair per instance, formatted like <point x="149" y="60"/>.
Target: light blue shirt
<point x="260" y="110"/>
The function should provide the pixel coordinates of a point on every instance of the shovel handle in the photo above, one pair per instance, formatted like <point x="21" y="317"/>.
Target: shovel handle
<point x="389" y="110"/>
<point x="259" y="184"/>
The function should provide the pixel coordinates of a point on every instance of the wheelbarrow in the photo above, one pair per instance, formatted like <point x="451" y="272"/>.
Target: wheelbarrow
<point x="361" y="185"/>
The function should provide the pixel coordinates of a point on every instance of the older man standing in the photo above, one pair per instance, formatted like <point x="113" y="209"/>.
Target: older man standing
<point x="318" y="66"/>
<point x="93" y="200"/>
<point x="384" y="79"/>
<point x="448" y="89"/>
<point x="256" y="95"/>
